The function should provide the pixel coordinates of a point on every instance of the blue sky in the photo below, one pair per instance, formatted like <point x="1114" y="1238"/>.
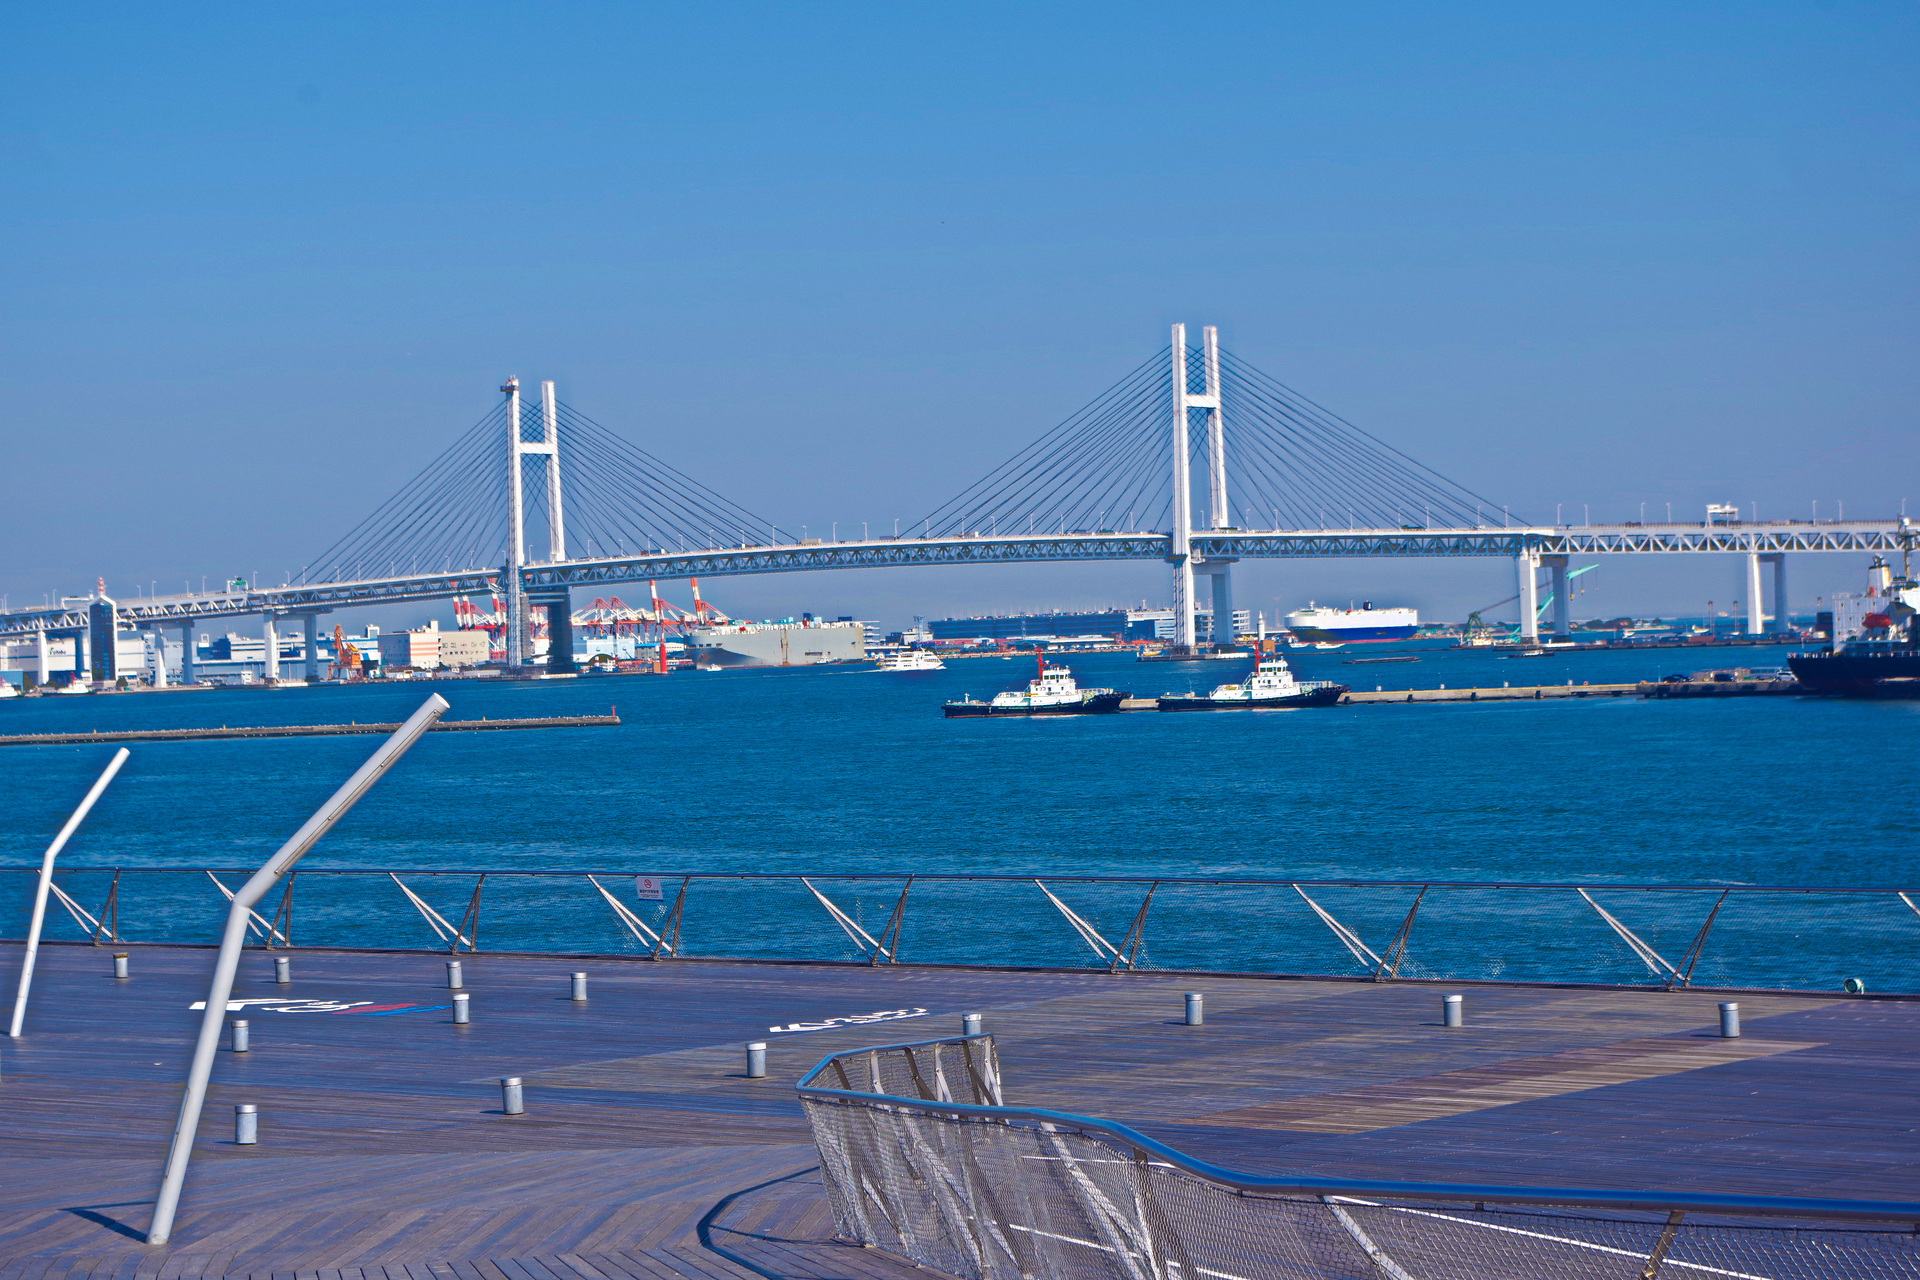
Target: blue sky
<point x="837" y="260"/>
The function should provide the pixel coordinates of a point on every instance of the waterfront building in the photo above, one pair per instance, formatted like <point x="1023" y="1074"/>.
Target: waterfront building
<point x="426" y="648"/>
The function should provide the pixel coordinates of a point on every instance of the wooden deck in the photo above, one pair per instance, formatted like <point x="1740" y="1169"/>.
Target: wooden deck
<point x="645" y="1153"/>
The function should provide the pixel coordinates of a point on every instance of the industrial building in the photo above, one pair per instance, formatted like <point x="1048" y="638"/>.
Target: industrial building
<point x="427" y="648"/>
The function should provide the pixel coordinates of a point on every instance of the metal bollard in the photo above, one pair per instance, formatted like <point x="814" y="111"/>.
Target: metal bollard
<point x="1454" y="1012"/>
<point x="246" y="1125"/>
<point x="1196" y="1008"/>
<point x="580" y="986"/>
<point x="460" y="1015"/>
<point x="282" y="970"/>
<point x="757" y="1060"/>
<point x="119" y="964"/>
<point x="455" y="979"/>
<point x="512" y="1101"/>
<point x="970" y="1024"/>
<point x="242" y="1036"/>
<point x="1730" y="1019"/>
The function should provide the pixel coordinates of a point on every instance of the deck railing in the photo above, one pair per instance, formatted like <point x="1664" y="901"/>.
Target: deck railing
<point x="922" y="1158"/>
<point x="1818" y="938"/>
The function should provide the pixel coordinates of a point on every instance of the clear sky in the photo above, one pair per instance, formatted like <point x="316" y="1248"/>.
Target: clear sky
<point x="836" y="260"/>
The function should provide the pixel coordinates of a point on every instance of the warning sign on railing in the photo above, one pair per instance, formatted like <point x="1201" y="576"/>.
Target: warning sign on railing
<point x="648" y="888"/>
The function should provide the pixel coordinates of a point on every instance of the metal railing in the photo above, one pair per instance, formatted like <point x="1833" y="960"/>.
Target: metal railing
<point x="1821" y="938"/>
<point x="922" y="1158"/>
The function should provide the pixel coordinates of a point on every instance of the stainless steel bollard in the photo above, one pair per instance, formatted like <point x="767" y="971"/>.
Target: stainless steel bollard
<point x="580" y="986"/>
<point x="282" y="970"/>
<point x="1454" y="1012"/>
<point x="1730" y="1019"/>
<point x="242" y="1036"/>
<point x="1196" y="1008"/>
<point x="460" y="1014"/>
<point x="246" y="1125"/>
<point x="970" y="1024"/>
<point x="119" y="964"/>
<point x="757" y="1060"/>
<point x="512" y="1101"/>
<point x="455" y="979"/>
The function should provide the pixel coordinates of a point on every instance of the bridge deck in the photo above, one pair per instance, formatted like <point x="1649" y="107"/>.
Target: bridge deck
<point x="646" y="1154"/>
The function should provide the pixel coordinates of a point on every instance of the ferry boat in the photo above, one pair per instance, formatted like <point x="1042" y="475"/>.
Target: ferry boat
<point x="1051" y="693"/>
<point x="912" y="660"/>
<point x="1319" y="624"/>
<point x="1875" y="646"/>
<point x="1271" y="685"/>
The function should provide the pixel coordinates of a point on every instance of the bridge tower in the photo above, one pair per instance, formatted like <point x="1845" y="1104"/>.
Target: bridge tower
<point x="1184" y="565"/>
<point x="558" y="604"/>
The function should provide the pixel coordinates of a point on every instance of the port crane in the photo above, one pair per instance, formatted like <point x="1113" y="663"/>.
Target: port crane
<point x="1477" y="624"/>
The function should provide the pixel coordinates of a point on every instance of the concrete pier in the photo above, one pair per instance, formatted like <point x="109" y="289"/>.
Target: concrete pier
<point x="290" y="731"/>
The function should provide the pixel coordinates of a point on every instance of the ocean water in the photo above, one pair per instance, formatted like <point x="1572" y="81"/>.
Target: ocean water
<point x="830" y="772"/>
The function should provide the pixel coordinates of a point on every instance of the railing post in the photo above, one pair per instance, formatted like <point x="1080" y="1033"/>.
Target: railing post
<point x="46" y="884"/>
<point x="239" y="911"/>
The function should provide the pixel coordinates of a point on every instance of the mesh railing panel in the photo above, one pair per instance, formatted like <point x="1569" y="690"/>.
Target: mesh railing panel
<point x="1010" y="1198"/>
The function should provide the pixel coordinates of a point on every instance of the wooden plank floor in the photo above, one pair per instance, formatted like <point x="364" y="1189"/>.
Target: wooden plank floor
<point x="646" y="1154"/>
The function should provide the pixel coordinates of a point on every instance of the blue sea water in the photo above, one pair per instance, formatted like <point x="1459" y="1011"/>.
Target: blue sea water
<point x="831" y="771"/>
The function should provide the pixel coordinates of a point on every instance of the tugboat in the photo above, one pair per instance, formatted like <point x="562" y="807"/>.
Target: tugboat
<point x="1875" y="649"/>
<point x="1051" y="693"/>
<point x="1271" y="685"/>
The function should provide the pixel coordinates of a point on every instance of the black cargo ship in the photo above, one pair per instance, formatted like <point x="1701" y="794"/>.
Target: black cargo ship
<point x="1875" y="652"/>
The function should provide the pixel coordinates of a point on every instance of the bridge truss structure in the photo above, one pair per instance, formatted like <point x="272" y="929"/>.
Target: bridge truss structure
<point x="1195" y="459"/>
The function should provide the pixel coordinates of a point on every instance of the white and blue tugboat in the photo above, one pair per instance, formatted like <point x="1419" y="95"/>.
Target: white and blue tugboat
<point x="1052" y="693"/>
<point x="1271" y="685"/>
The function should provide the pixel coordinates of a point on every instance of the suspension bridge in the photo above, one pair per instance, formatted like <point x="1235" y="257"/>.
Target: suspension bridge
<point x="1195" y="458"/>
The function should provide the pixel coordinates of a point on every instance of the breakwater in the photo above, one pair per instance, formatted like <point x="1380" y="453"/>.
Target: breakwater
<point x="293" y="730"/>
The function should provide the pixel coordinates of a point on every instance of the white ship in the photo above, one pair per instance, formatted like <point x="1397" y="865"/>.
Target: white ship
<point x="912" y="660"/>
<point x="1319" y="624"/>
<point x="1271" y="685"/>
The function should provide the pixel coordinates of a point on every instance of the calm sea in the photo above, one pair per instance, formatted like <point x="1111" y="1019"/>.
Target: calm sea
<point x="830" y="771"/>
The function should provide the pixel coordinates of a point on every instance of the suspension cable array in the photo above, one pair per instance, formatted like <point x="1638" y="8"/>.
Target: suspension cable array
<point x="1292" y="464"/>
<point x="619" y="500"/>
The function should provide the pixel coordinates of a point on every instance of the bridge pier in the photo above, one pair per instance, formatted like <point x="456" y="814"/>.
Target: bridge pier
<point x="1756" y="611"/>
<point x="187" y="675"/>
<point x="1781" y="622"/>
<point x="1220" y="574"/>
<point x="1562" y="606"/>
<point x="559" y="631"/>
<point x="270" y="671"/>
<point x="310" y="623"/>
<point x="1526" y="569"/>
<point x="43" y="662"/>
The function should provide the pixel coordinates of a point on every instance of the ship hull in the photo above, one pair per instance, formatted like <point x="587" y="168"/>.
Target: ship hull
<point x="1350" y="635"/>
<point x="1855" y="675"/>
<point x="1097" y="704"/>
<point x="1326" y="697"/>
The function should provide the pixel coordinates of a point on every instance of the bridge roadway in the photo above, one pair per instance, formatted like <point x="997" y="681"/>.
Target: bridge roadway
<point x="1771" y="539"/>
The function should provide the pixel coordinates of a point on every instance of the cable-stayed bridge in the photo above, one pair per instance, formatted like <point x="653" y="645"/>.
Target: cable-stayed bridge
<point x="1194" y="458"/>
